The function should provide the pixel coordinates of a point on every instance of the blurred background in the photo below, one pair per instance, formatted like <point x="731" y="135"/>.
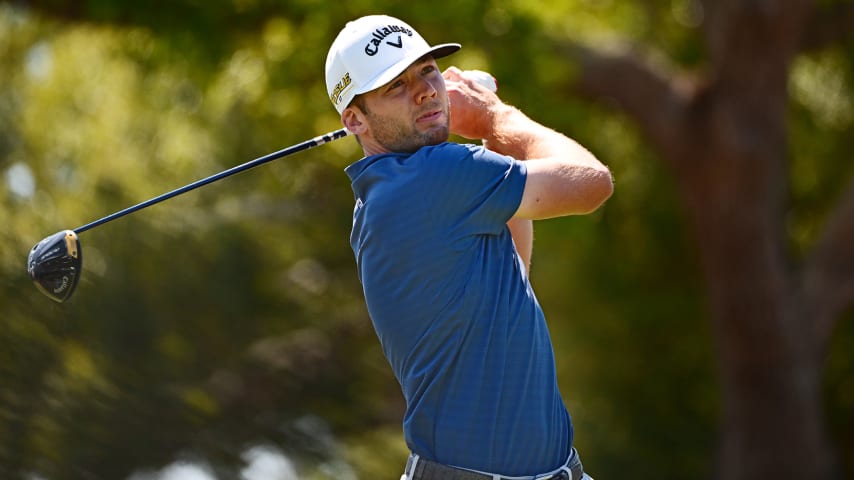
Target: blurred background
<point x="701" y="319"/>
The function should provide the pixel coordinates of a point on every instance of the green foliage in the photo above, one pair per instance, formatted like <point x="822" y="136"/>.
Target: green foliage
<point x="822" y="119"/>
<point x="227" y="317"/>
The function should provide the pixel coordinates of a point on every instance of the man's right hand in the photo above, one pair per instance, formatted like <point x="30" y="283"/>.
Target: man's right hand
<point x="474" y="108"/>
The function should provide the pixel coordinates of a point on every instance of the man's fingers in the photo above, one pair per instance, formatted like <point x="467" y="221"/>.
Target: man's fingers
<point x="453" y="73"/>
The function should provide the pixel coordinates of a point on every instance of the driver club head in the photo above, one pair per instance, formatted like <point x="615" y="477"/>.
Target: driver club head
<point x="55" y="265"/>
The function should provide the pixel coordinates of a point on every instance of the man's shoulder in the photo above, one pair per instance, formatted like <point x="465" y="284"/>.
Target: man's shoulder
<point x="451" y="152"/>
<point x="450" y="149"/>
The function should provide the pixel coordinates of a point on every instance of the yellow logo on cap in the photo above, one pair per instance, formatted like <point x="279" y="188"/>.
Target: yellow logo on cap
<point x="342" y="85"/>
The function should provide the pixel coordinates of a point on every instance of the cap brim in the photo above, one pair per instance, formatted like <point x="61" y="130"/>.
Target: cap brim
<point x="444" y="49"/>
<point x="390" y="73"/>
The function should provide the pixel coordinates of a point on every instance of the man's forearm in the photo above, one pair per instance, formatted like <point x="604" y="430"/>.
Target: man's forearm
<point x="514" y="134"/>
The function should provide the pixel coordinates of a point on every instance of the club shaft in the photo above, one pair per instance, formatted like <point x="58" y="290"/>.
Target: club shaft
<point x="314" y="142"/>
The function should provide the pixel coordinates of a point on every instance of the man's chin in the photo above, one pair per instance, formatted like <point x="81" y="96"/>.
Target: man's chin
<point x="433" y="136"/>
<point x="437" y="135"/>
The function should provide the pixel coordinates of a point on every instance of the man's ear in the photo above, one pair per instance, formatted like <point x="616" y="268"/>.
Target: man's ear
<point x="354" y="120"/>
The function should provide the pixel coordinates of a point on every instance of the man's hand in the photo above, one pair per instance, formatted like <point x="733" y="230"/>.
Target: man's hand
<point x="473" y="106"/>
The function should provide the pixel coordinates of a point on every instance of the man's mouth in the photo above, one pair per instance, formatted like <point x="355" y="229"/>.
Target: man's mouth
<point x="430" y="116"/>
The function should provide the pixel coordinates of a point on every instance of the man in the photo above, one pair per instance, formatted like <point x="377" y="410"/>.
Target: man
<point x="442" y="236"/>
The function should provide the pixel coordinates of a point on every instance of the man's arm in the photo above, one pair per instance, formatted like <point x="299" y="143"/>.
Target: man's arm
<point x="522" y="231"/>
<point x="563" y="178"/>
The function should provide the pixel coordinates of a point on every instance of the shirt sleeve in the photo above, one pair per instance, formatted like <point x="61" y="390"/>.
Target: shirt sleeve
<point x="475" y="188"/>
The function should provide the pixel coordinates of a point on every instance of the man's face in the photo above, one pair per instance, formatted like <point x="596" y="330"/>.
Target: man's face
<point x="407" y="113"/>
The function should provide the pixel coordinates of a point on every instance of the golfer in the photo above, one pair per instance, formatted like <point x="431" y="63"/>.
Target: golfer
<point x="442" y="236"/>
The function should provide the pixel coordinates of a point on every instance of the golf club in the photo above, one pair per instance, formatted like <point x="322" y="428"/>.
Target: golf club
<point x="56" y="263"/>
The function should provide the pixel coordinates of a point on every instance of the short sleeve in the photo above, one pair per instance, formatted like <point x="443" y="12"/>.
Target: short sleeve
<point x="473" y="186"/>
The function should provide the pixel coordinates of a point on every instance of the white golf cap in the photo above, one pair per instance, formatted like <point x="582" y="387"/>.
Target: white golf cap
<point x="369" y="52"/>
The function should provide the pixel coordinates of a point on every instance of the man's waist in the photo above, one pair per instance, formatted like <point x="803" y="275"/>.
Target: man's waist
<point x="531" y="442"/>
<point x="418" y="468"/>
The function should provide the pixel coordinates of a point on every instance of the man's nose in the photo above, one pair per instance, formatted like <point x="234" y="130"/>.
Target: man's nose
<point x="424" y="90"/>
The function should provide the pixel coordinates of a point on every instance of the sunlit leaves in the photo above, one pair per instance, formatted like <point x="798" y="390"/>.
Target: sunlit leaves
<point x="821" y="119"/>
<point x="823" y="84"/>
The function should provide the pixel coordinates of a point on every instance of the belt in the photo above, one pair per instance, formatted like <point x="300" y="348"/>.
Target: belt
<point x="418" y="468"/>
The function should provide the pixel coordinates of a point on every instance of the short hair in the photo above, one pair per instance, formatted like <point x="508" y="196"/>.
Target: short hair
<point x="359" y="101"/>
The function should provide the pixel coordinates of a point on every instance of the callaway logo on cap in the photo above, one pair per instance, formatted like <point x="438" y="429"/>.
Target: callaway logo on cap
<point x="370" y="52"/>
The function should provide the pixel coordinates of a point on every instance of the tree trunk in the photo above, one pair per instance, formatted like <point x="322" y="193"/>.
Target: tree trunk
<point x="772" y="418"/>
<point x="736" y="186"/>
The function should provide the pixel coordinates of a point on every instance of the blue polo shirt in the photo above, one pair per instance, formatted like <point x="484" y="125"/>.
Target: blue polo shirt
<point x="454" y="311"/>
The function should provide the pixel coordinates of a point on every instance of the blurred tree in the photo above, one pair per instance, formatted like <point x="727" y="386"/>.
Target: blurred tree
<point x="723" y="127"/>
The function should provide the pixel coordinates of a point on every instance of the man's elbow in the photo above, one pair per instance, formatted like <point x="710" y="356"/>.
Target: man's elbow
<point x="599" y="188"/>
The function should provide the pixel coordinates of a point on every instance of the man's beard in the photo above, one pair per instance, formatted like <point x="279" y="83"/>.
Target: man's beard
<point x="397" y="136"/>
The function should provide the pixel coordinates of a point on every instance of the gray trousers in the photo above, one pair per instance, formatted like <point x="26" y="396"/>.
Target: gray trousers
<point x="418" y="468"/>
